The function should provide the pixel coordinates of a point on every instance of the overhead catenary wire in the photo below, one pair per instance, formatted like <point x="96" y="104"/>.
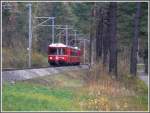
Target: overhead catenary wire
<point x="42" y="24"/>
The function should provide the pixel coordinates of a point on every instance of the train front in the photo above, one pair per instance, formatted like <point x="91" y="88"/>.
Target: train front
<point x="57" y="54"/>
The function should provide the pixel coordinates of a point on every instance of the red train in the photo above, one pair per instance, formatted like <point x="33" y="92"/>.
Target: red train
<point x="60" y="54"/>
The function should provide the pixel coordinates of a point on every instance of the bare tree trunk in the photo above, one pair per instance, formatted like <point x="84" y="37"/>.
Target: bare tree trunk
<point x="99" y="33"/>
<point x="93" y="14"/>
<point x="90" y="50"/>
<point x="90" y="53"/>
<point x="134" y="48"/>
<point x="113" y="39"/>
<point x="146" y="60"/>
<point x="106" y="40"/>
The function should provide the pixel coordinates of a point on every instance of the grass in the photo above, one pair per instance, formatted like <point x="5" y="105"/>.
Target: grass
<point x="22" y="96"/>
<point x="106" y="93"/>
<point x="77" y="91"/>
<point x="50" y="93"/>
<point x="14" y="58"/>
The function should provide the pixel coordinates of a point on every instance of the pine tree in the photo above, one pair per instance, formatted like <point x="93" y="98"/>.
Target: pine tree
<point x="113" y="39"/>
<point x="134" y="48"/>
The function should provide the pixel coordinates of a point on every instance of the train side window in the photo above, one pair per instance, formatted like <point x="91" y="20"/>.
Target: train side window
<point x="73" y="53"/>
<point x="64" y="51"/>
<point x="58" y="51"/>
<point x="61" y="51"/>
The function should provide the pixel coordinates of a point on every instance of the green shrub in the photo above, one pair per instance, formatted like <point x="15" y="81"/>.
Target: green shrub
<point x="39" y="60"/>
<point x="14" y="58"/>
<point x="18" y="58"/>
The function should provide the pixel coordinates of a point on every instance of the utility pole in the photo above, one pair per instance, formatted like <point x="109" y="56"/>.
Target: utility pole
<point x="75" y="37"/>
<point x="30" y="34"/>
<point x="66" y="34"/>
<point x="59" y="37"/>
<point x="84" y="51"/>
<point x="53" y="28"/>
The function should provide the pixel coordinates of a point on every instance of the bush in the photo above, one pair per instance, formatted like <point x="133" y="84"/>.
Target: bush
<point x="12" y="58"/>
<point x="18" y="58"/>
<point x="39" y="60"/>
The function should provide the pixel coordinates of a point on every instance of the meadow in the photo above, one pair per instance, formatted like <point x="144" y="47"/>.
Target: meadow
<point x="74" y="91"/>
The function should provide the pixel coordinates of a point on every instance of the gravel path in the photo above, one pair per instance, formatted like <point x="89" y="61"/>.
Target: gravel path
<point x="16" y="75"/>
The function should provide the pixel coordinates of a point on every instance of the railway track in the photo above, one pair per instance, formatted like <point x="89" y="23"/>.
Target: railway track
<point x="12" y="74"/>
<point x="12" y="69"/>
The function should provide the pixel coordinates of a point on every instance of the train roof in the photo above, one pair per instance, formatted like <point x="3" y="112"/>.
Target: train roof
<point x="62" y="45"/>
<point x="57" y="45"/>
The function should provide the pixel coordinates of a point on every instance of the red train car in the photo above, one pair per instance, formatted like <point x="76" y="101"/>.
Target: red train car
<point x="60" y="54"/>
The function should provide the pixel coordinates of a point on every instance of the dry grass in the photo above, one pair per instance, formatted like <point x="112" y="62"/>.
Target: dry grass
<point x="18" y="58"/>
<point x="109" y="94"/>
<point x="12" y="58"/>
<point x="96" y="91"/>
<point x="39" y="60"/>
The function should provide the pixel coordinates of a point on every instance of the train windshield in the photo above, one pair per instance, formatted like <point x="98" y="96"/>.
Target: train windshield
<point x="57" y="51"/>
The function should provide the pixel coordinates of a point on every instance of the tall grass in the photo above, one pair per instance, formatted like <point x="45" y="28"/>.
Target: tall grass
<point x="39" y="60"/>
<point x="74" y="90"/>
<point x="12" y="58"/>
<point x="107" y="93"/>
<point x="18" y="58"/>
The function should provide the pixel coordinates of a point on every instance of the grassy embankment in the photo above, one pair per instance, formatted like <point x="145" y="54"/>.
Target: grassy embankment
<point x="18" y="58"/>
<point x="74" y="91"/>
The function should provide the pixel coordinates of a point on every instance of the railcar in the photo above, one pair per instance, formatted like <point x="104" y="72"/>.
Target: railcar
<point x="61" y="54"/>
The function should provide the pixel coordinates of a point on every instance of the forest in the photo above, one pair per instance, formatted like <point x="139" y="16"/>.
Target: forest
<point x="116" y="36"/>
<point x="90" y="19"/>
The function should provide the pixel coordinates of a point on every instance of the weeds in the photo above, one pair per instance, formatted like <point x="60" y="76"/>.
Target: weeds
<point x="109" y="94"/>
<point x="14" y="58"/>
<point x="73" y="90"/>
<point x="38" y="60"/>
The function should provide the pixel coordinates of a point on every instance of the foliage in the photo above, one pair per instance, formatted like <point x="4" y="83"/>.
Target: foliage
<point x="18" y="58"/>
<point x="39" y="60"/>
<point x="77" y="15"/>
<point x="71" y="90"/>
<point x="15" y="58"/>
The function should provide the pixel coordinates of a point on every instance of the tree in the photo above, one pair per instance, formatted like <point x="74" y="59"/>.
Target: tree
<point x="146" y="60"/>
<point x="90" y="49"/>
<point x="134" y="48"/>
<point x="99" y="34"/>
<point x="106" y="36"/>
<point x="113" y="39"/>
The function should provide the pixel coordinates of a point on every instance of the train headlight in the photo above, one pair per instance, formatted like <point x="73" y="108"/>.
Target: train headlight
<point x="56" y="58"/>
<point x="50" y="58"/>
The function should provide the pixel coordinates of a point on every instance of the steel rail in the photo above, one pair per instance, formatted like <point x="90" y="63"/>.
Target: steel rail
<point x="13" y="69"/>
